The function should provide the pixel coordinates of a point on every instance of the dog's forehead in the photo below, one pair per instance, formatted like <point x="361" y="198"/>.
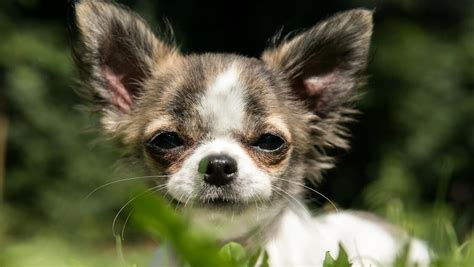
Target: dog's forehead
<point x="220" y="94"/>
<point x="222" y="106"/>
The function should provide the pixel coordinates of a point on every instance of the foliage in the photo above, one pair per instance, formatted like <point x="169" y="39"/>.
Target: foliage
<point x="158" y="219"/>
<point x="341" y="261"/>
<point x="193" y="247"/>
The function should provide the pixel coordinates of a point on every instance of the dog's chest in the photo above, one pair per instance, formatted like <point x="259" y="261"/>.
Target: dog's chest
<point x="302" y="240"/>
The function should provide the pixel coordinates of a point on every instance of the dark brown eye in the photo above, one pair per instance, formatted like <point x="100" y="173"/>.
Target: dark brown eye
<point x="166" y="141"/>
<point x="269" y="142"/>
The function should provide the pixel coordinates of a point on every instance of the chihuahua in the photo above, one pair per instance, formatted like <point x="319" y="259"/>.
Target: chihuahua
<point x="235" y="138"/>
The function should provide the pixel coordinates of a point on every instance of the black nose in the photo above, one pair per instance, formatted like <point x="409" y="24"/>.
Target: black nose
<point x="220" y="169"/>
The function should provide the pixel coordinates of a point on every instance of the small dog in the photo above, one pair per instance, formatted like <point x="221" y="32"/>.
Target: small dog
<point x="236" y="137"/>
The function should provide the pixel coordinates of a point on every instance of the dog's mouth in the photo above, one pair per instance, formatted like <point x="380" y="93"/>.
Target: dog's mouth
<point x="220" y="202"/>
<point x="220" y="197"/>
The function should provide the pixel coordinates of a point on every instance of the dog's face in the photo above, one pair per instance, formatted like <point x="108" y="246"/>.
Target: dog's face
<point x="229" y="133"/>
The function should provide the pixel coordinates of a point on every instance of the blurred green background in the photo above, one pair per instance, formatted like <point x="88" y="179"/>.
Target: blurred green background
<point x="413" y="148"/>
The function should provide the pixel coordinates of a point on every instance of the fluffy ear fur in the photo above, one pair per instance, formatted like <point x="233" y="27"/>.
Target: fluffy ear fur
<point x="117" y="52"/>
<point x="324" y="66"/>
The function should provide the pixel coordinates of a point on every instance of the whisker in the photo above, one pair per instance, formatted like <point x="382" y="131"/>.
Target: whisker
<point x="178" y="202"/>
<point x="165" y="196"/>
<point x="261" y="201"/>
<point x="283" y="196"/>
<point x="188" y="199"/>
<point x="194" y="196"/>
<point x="270" y="204"/>
<point x="125" y="224"/>
<point x="124" y="180"/>
<point x="290" y="195"/>
<point x="149" y="190"/>
<point x="313" y="190"/>
<point x="257" y="208"/>
<point x="256" y="202"/>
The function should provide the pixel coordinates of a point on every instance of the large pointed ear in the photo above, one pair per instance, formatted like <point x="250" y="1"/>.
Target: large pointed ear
<point x="325" y="64"/>
<point x="115" y="55"/>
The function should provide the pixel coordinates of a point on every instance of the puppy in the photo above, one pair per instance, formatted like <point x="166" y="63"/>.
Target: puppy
<point x="236" y="136"/>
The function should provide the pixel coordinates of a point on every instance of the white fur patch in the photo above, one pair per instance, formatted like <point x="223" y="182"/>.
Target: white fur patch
<point x="223" y="106"/>
<point x="302" y="240"/>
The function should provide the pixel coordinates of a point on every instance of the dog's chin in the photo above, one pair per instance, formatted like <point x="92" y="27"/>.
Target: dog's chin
<point x="217" y="204"/>
<point x="221" y="203"/>
<point x="226" y="216"/>
<point x="228" y="219"/>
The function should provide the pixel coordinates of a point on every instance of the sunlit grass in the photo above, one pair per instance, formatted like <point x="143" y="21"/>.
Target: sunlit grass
<point x="158" y="220"/>
<point x="52" y="250"/>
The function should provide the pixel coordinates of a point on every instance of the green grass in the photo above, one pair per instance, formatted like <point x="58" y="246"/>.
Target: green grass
<point x="153" y="216"/>
<point x="53" y="250"/>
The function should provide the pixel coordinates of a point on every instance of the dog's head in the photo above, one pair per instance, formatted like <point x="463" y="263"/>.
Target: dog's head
<point x="230" y="133"/>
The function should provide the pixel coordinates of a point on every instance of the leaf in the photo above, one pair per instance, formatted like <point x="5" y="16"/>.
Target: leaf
<point x="254" y="258"/>
<point x="154" y="215"/>
<point x="342" y="259"/>
<point x="328" y="260"/>
<point x="203" y="167"/>
<point x="265" y="260"/>
<point x="234" y="253"/>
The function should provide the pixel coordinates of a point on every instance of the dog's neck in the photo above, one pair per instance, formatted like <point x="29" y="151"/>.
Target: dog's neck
<point x="249" y="226"/>
<point x="255" y="238"/>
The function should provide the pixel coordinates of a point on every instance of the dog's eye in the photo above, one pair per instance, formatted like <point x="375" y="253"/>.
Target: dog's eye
<point x="166" y="140"/>
<point x="269" y="142"/>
